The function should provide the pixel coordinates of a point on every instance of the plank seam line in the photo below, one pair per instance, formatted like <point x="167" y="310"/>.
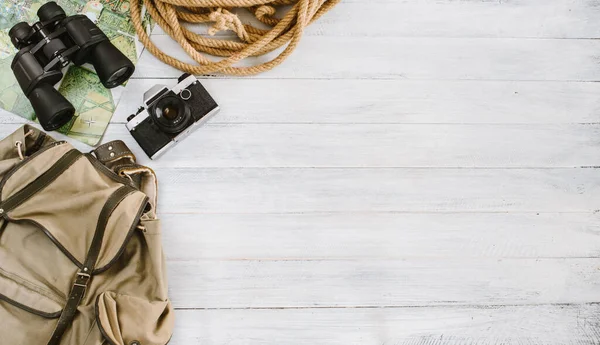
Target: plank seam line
<point x="433" y="306"/>
<point x="230" y="167"/>
<point x="17" y="121"/>
<point x="323" y="79"/>
<point x="383" y="35"/>
<point x="391" y="259"/>
<point x="397" y="78"/>
<point x="309" y="32"/>
<point x="336" y="213"/>
<point x="221" y="124"/>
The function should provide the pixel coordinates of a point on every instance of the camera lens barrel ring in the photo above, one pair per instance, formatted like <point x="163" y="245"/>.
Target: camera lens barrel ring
<point x="171" y="114"/>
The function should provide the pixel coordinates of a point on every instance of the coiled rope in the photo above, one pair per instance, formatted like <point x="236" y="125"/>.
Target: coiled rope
<point x="252" y="41"/>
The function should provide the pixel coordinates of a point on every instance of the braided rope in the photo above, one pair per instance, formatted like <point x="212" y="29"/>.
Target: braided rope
<point x="252" y="41"/>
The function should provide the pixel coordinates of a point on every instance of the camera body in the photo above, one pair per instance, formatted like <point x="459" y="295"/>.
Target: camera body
<point x="51" y="44"/>
<point x="169" y="115"/>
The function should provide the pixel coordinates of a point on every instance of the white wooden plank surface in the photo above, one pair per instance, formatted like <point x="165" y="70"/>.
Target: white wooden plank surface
<point x="380" y="236"/>
<point x="329" y="57"/>
<point x="507" y="325"/>
<point x="239" y="190"/>
<point x="363" y="283"/>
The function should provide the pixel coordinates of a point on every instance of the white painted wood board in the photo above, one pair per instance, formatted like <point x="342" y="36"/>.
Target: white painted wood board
<point x="508" y="325"/>
<point x="382" y="283"/>
<point x="265" y="191"/>
<point x="380" y="236"/>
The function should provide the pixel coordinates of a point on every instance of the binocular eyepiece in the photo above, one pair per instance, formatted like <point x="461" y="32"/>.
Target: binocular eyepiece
<point x="51" y="44"/>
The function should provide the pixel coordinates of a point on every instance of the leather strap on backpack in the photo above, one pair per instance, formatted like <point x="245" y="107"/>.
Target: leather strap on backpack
<point x="116" y="156"/>
<point x="85" y="274"/>
<point x="114" y="153"/>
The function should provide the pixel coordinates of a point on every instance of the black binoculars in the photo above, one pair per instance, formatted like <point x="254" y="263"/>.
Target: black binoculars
<point x="51" y="44"/>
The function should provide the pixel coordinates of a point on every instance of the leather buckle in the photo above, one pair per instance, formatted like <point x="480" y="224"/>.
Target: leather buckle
<point x="83" y="276"/>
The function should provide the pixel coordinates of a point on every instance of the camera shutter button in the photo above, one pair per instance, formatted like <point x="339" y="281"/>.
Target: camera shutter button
<point x="185" y="94"/>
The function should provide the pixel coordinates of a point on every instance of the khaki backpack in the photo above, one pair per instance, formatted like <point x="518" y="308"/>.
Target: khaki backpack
<point x="81" y="261"/>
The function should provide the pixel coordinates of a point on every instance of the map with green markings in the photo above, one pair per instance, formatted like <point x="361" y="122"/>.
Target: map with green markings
<point x="94" y="104"/>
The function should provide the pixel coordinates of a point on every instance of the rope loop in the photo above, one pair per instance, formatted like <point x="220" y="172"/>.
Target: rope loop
<point x="221" y="16"/>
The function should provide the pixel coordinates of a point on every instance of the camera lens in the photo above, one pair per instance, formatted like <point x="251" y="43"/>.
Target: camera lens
<point x="171" y="114"/>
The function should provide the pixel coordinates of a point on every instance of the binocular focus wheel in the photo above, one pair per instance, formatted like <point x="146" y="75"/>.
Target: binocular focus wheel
<point x="51" y="12"/>
<point x="19" y="34"/>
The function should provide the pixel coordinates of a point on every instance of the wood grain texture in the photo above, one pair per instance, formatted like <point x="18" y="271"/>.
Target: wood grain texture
<point x="447" y="18"/>
<point x="379" y="236"/>
<point x="507" y="325"/>
<point x="364" y="283"/>
<point x="239" y="190"/>
<point x="416" y="58"/>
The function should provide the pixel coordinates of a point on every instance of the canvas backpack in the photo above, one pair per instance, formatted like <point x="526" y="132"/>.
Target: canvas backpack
<point x="81" y="261"/>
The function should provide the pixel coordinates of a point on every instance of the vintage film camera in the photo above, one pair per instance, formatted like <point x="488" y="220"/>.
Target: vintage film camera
<point x="51" y="44"/>
<point x="169" y="115"/>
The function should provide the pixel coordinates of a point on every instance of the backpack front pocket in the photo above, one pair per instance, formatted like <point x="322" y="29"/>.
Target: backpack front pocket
<point x="125" y="319"/>
<point x="28" y="296"/>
